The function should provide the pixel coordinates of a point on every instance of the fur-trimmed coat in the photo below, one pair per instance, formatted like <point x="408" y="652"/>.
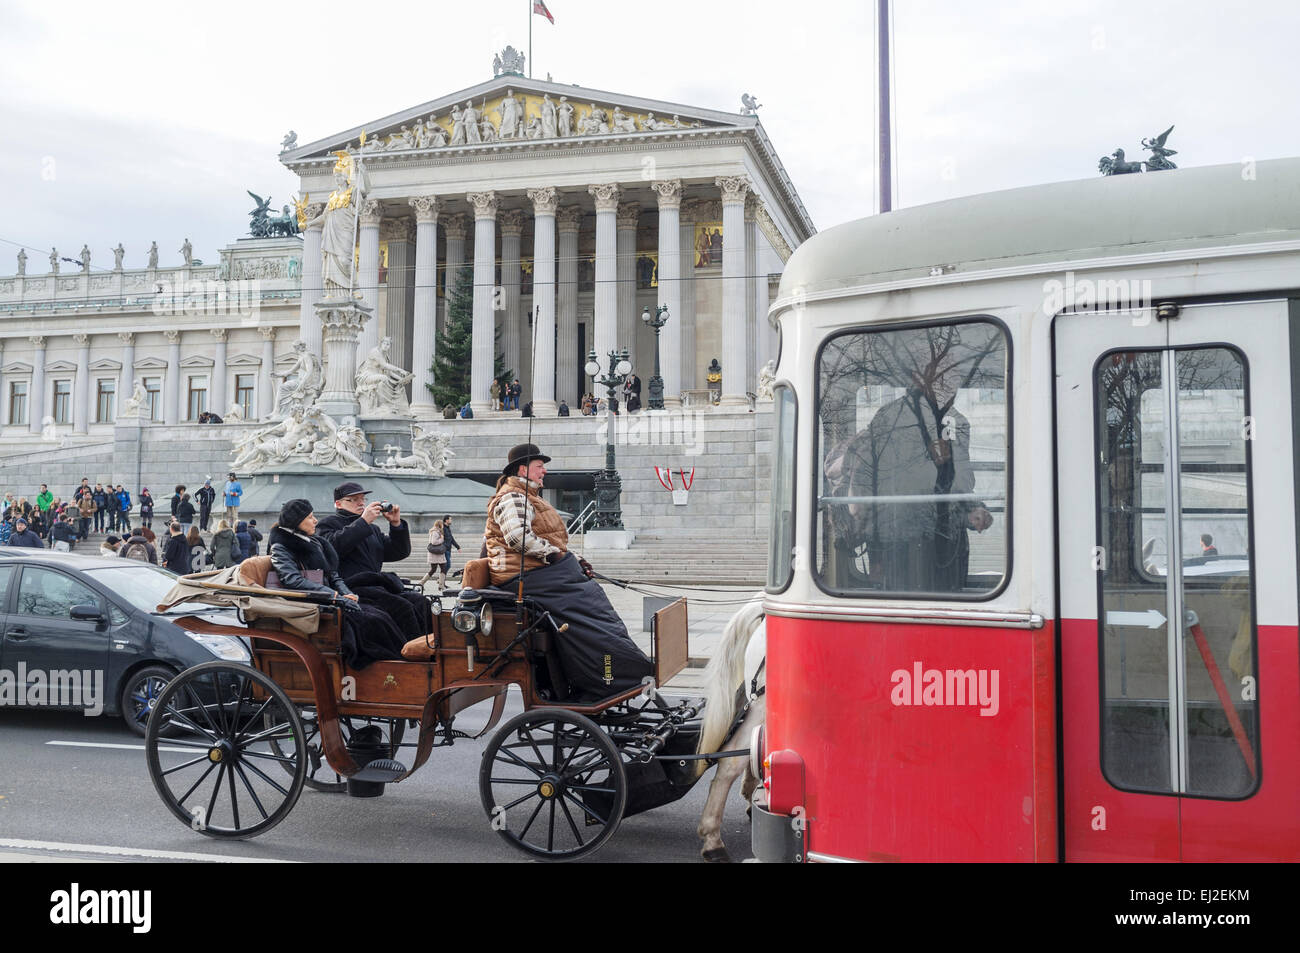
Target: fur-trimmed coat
<point x="293" y="552"/>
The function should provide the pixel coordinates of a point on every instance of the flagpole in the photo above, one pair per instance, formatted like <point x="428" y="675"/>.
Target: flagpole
<point x="882" y="87"/>
<point x="530" y="39"/>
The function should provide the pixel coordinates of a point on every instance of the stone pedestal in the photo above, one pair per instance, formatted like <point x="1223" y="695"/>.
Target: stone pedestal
<point x="341" y="324"/>
<point x="387" y="431"/>
<point x="608" y="539"/>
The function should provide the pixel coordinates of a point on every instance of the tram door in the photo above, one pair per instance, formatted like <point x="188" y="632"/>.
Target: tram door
<point x="1177" y="569"/>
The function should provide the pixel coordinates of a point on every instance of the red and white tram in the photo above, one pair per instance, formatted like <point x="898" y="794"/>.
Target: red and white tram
<point x="1032" y="589"/>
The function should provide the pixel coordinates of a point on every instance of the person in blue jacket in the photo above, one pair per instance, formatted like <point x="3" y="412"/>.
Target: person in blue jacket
<point x="244" y="539"/>
<point x="231" y="493"/>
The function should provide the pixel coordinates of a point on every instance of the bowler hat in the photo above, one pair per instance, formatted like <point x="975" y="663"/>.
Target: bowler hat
<point x="522" y="454"/>
<point x="347" y="489"/>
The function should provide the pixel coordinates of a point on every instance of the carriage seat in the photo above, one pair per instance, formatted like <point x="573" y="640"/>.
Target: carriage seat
<point x="476" y="575"/>
<point x="257" y="571"/>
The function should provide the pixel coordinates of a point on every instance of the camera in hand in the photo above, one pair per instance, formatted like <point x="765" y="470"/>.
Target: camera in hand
<point x="385" y="507"/>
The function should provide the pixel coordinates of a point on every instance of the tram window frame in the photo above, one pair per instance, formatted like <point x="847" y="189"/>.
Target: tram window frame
<point x="778" y="391"/>
<point x="816" y="566"/>
<point x="1142" y="574"/>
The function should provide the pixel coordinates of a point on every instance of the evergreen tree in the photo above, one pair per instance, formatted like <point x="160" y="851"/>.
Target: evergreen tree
<point x="455" y="352"/>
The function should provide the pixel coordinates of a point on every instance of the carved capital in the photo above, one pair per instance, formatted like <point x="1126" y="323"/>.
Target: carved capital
<point x="313" y="211"/>
<point x="545" y="201"/>
<point x="734" y="188"/>
<point x="669" y="192"/>
<point x="172" y="336"/>
<point x="37" y="340"/>
<point x="218" y="333"/>
<point x="629" y="213"/>
<point x="752" y="206"/>
<point x="485" y="204"/>
<point x="568" y="218"/>
<point x="426" y="208"/>
<point x="456" y="225"/>
<point x="267" y="332"/>
<point x="606" y="196"/>
<point x="397" y="230"/>
<point x="81" y="338"/>
<point x="126" y="337"/>
<point x="370" y="212"/>
<point x="512" y="222"/>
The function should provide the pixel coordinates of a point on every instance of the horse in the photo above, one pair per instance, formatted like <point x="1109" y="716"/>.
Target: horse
<point x="735" y="669"/>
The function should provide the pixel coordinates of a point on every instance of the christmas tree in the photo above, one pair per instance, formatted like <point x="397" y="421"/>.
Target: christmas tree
<point x="455" y="351"/>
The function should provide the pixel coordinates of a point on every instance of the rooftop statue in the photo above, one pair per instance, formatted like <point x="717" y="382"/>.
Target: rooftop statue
<point x="508" y="60"/>
<point x="1159" y="160"/>
<point x="289" y="142"/>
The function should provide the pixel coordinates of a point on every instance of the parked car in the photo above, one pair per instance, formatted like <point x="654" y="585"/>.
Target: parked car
<point x="63" y="613"/>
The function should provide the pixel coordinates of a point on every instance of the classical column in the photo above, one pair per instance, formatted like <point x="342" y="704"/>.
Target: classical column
<point x="686" y="239"/>
<point x="265" y="375"/>
<point x="512" y="229"/>
<point x="400" y="235"/>
<point x="605" y="338"/>
<point x="341" y="327"/>
<point x="424" y="334"/>
<point x="81" y="385"/>
<point x="543" y="383"/>
<point x="670" y="287"/>
<point x="218" y="404"/>
<point x="126" y="382"/>
<point x="311" y="282"/>
<point x="568" y="221"/>
<point x="367" y="280"/>
<point x="754" y="319"/>
<point x="456" y="227"/>
<point x="628" y="215"/>
<point x="36" y="400"/>
<point x="734" y="189"/>
<point x="172" y="386"/>
<point x="484" y="346"/>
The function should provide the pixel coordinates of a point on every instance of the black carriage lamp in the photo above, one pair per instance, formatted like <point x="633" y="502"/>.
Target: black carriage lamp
<point x="656" y="383"/>
<point x="609" y="487"/>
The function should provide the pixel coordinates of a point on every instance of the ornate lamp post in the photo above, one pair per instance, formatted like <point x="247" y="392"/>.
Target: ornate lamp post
<point x="609" y="512"/>
<point x="656" y="383"/>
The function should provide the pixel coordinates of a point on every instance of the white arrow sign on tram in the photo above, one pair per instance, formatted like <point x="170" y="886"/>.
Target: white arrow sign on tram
<point x="1151" y="619"/>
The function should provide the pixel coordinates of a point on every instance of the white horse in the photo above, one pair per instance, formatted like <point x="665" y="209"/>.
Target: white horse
<point x="738" y="662"/>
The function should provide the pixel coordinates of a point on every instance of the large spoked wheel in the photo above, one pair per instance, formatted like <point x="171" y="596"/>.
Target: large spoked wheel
<point x="552" y="784"/>
<point x="220" y="774"/>
<point x="320" y="776"/>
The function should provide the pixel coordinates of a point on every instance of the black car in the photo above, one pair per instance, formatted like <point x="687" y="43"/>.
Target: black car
<point x="84" y="632"/>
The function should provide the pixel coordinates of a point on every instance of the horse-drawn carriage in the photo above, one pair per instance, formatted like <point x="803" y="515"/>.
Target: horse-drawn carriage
<point x="230" y="747"/>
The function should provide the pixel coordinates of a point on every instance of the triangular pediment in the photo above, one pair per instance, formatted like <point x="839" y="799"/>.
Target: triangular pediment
<point x="596" y="115"/>
<point x="244" y="360"/>
<point x="105" y="364"/>
<point x="17" y="367"/>
<point x="60" y="367"/>
<point x="196" y="360"/>
<point x="151" y="364"/>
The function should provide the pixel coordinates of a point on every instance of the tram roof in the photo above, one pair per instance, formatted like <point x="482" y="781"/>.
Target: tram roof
<point x="1101" y="217"/>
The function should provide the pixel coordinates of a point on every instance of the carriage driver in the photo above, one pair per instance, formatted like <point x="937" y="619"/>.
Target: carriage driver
<point x="600" y="658"/>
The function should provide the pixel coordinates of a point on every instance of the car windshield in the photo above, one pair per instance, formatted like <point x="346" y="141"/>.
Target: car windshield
<point x="143" y="586"/>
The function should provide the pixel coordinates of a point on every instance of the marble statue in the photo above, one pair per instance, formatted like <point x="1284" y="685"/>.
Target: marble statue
<point x="137" y="404"/>
<point x="303" y="384"/>
<point x="187" y="253"/>
<point x="85" y="259"/>
<point x="470" y="117"/>
<point x="511" y="116"/>
<point x="22" y="261"/>
<point x="548" y="117"/>
<point x="534" y="130"/>
<point x="421" y="135"/>
<point x="508" y="60"/>
<point x="402" y="140"/>
<point x="381" y="384"/>
<point x="234" y="413"/>
<point x="372" y="144"/>
<point x="54" y="261"/>
<point x="766" y="379"/>
<point x="623" y="122"/>
<point x="749" y="103"/>
<point x="153" y="255"/>
<point x="487" y="131"/>
<point x="565" y="113"/>
<point x="342" y="448"/>
<point x="437" y="135"/>
<point x="338" y="224"/>
<point x="457" y="127"/>
<point x="304" y="436"/>
<point x="430" y="453"/>
<point x="594" y="123"/>
<point x="118" y="253"/>
<point x="289" y="142"/>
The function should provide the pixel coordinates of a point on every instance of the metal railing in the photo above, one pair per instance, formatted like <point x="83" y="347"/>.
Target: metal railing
<point x="580" y="522"/>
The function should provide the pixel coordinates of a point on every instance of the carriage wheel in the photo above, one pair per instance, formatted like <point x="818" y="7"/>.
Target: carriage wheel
<point x="322" y="777"/>
<point x="221" y="774"/>
<point x="552" y="784"/>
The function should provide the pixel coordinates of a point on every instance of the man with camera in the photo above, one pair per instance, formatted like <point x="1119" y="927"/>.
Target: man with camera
<point x="363" y="547"/>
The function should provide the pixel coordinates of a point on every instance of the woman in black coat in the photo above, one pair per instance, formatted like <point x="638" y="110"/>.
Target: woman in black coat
<point x="307" y="562"/>
<point x="185" y="512"/>
<point x="176" y="552"/>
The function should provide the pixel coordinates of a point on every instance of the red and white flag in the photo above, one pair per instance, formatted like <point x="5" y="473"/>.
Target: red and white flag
<point x="539" y="9"/>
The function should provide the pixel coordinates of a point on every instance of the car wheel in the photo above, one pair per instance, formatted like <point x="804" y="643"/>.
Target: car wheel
<point x="139" y="695"/>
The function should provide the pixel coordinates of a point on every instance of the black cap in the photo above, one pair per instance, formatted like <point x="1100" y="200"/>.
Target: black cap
<point x="523" y="453"/>
<point x="348" y="489"/>
<point x="293" y="513"/>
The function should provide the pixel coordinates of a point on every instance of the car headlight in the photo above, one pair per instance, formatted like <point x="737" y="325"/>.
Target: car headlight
<point x="228" y="647"/>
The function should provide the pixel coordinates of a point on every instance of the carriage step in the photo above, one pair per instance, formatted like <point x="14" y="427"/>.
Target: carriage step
<point x="381" y="770"/>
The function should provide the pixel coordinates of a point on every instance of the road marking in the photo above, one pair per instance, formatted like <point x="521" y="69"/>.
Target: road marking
<point x="99" y="744"/>
<point x="135" y="852"/>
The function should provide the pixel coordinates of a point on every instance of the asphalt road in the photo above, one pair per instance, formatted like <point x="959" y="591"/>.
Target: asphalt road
<point x="57" y="790"/>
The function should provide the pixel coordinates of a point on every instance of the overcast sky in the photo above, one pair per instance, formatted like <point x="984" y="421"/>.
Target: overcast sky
<point x="147" y="120"/>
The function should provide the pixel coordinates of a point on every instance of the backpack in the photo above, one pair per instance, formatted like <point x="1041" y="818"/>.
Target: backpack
<point x="138" y="551"/>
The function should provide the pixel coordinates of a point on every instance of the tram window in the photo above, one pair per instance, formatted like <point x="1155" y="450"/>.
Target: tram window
<point x="912" y="460"/>
<point x="1179" y="709"/>
<point x="781" y="533"/>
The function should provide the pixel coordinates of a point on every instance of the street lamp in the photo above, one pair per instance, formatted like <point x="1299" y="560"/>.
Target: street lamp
<point x="609" y="512"/>
<point x="656" y="383"/>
